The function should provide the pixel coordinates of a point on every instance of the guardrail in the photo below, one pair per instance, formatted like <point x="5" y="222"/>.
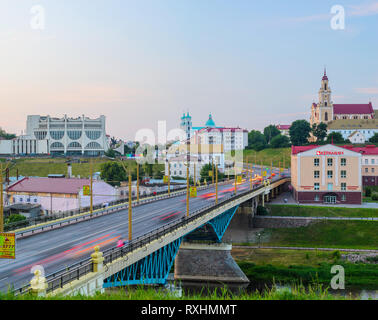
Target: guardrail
<point x="87" y="215"/>
<point x="63" y="276"/>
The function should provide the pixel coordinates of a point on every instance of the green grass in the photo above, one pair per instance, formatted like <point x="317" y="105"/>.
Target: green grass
<point x="299" y="292"/>
<point x="269" y="155"/>
<point x="325" y="234"/>
<point x="313" y="211"/>
<point x="356" y="275"/>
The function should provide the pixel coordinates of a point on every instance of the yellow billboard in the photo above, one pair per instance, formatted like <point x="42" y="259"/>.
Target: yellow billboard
<point x="239" y="179"/>
<point x="86" y="190"/>
<point x="193" y="192"/>
<point x="165" y="179"/>
<point x="7" y="246"/>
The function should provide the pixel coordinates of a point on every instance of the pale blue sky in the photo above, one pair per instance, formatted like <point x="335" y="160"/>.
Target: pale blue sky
<point x="250" y="63"/>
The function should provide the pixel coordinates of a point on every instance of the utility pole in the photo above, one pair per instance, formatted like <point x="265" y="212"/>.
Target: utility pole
<point x="195" y="181"/>
<point x="216" y="184"/>
<point x="91" y="169"/>
<point x="137" y="167"/>
<point x="130" y="209"/>
<point x="212" y="170"/>
<point x="250" y="177"/>
<point x="169" y="179"/>
<point x="235" y="178"/>
<point x="271" y="169"/>
<point x="187" y="189"/>
<point x="262" y="179"/>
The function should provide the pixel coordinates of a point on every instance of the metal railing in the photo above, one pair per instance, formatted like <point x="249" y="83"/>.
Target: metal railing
<point x="63" y="276"/>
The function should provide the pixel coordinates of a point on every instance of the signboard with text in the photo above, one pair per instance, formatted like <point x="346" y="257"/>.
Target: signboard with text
<point x="165" y="179"/>
<point x="86" y="190"/>
<point x="193" y="192"/>
<point x="7" y="246"/>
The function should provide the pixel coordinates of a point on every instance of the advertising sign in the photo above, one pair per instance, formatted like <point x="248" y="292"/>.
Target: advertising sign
<point x="7" y="246"/>
<point x="86" y="190"/>
<point x="193" y="192"/>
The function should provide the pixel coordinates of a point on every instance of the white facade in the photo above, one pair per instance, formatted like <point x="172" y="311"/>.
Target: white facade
<point x="70" y="136"/>
<point x="366" y="133"/>
<point x="230" y="138"/>
<point x="24" y="145"/>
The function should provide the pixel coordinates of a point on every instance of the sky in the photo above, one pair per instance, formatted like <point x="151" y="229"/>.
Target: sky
<point x="249" y="63"/>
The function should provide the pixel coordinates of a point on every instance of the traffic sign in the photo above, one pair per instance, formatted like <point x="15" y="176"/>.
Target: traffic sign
<point x="7" y="246"/>
<point x="193" y="192"/>
<point x="86" y="190"/>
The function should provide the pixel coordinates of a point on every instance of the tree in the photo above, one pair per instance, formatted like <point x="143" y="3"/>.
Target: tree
<point x="319" y="131"/>
<point x="204" y="173"/>
<point x="15" y="218"/>
<point x="6" y="136"/>
<point x="280" y="141"/>
<point x="374" y="139"/>
<point x="256" y="140"/>
<point x="111" y="153"/>
<point x="299" y="132"/>
<point x="113" y="173"/>
<point x="336" y="138"/>
<point x="270" y="132"/>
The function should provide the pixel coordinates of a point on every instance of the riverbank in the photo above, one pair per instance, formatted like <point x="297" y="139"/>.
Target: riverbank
<point x="303" y="266"/>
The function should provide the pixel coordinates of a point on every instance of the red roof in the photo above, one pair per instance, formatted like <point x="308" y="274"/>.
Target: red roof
<point x="353" y="108"/>
<point x="283" y="126"/>
<point x="368" y="149"/>
<point x="49" y="185"/>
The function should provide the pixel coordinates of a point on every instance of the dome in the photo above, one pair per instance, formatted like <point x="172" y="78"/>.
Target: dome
<point x="210" y="122"/>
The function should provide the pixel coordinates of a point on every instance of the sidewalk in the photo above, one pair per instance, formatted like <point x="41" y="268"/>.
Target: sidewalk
<point x="290" y="201"/>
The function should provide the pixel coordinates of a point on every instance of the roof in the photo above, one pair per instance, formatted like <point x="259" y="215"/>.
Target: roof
<point x="222" y="130"/>
<point x="353" y="124"/>
<point x="367" y="150"/>
<point x="49" y="185"/>
<point x="210" y="122"/>
<point x="353" y="108"/>
<point x="283" y="126"/>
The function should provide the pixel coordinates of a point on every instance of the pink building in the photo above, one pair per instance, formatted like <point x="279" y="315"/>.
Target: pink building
<point x="59" y="194"/>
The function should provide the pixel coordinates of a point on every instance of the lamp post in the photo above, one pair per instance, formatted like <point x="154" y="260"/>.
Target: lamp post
<point x="91" y="201"/>
<point x="130" y="209"/>
<point x="137" y="167"/>
<point x="169" y="179"/>
<point x="216" y="183"/>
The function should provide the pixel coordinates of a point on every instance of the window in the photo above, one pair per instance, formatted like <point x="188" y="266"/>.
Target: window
<point x="366" y="170"/>
<point x="343" y="197"/>
<point x="372" y="161"/>
<point x="316" y="198"/>
<point x="326" y="116"/>
<point x="366" y="161"/>
<point x="316" y="174"/>
<point x="329" y="174"/>
<point x="329" y="162"/>
<point x="343" y="186"/>
<point x="316" y="186"/>
<point x="343" y="162"/>
<point x="343" y="173"/>
<point x="316" y="162"/>
<point x="330" y="186"/>
<point x="372" y="170"/>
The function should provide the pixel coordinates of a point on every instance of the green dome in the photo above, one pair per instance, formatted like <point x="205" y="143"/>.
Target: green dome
<point x="210" y="122"/>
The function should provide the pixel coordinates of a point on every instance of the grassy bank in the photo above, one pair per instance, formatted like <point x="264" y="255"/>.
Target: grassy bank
<point x="268" y="155"/>
<point x="306" y="266"/>
<point x="296" y="293"/>
<point x="313" y="211"/>
<point x="325" y="234"/>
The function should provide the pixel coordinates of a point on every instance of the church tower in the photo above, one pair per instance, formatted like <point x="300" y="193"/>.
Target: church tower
<point x="186" y="124"/>
<point x="323" y="111"/>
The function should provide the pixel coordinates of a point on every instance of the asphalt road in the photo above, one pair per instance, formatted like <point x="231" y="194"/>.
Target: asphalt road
<point x="56" y="249"/>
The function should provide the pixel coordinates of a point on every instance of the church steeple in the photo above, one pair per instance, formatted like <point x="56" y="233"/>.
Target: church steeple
<point x="325" y="92"/>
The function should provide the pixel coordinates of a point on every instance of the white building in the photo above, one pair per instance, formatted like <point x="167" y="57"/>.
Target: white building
<point x="24" y="145"/>
<point x="70" y="136"/>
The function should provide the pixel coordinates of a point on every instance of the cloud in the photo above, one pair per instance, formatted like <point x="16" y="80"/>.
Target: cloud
<point x="367" y="90"/>
<point x="366" y="9"/>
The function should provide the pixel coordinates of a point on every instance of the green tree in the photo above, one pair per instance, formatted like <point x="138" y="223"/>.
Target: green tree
<point x="374" y="139"/>
<point x="280" y="141"/>
<point x="204" y="173"/>
<point x="113" y="173"/>
<point x="299" y="132"/>
<point x="319" y="131"/>
<point x="6" y="136"/>
<point x="15" y="218"/>
<point x="111" y="153"/>
<point x="336" y="138"/>
<point x="270" y="132"/>
<point x="256" y="140"/>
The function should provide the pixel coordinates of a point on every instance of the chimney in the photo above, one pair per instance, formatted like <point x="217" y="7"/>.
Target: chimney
<point x="69" y="170"/>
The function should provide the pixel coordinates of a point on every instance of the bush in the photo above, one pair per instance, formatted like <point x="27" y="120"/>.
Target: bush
<point x="261" y="211"/>
<point x="374" y="196"/>
<point x="367" y="192"/>
<point x="336" y="254"/>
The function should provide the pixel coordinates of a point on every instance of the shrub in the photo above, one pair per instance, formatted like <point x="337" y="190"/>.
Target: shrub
<point x="262" y="211"/>
<point x="368" y="192"/>
<point x="374" y="196"/>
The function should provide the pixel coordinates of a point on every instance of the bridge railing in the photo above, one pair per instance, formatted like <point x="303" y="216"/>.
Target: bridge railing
<point x="64" y="276"/>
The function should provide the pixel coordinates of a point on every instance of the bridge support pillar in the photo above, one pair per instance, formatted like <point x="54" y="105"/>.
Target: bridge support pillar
<point x="199" y="262"/>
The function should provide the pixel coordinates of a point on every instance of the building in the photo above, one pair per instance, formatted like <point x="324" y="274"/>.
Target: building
<point x="326" y="111"/>
<point x="58" y="194"/>
<point x="332" y="174"/>
<point x="356" y="130"/>
<point x="24" y="146"/>
<point x="233" y="138"/>
<point x="284" y="129"/>
<point x="178" y="167"/>
<point x="28" y="210"/>
<point x="70" y="136"/>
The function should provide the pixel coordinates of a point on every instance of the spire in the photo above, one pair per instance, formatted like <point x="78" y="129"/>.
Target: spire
<point x="325" y="74"/>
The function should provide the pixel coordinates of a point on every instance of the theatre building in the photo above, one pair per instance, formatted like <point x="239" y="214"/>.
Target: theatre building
<point x="326" y="174"/>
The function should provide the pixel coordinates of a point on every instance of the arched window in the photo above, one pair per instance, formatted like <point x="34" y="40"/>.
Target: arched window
<point x="93" y="145"/>
<point x="326" y="116"/>
<point x="57" y="135"/>
<point x="74" y="135"/>
<point x="325" y="86"/>
<point x="74" y="145"/>
<point x="57" y="145"/>
<point x="93" y="135"/>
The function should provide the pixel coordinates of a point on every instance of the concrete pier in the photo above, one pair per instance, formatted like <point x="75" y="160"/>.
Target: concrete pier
<point x="198" y="262"/>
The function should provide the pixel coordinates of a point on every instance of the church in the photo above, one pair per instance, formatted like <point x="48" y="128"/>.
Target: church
<point x="350" y="120"/>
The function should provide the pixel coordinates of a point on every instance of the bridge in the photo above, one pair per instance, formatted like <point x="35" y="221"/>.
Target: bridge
<point x="159" y="228"/>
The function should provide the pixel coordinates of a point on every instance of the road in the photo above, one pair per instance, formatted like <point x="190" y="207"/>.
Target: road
<point x="62" y="247"/>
